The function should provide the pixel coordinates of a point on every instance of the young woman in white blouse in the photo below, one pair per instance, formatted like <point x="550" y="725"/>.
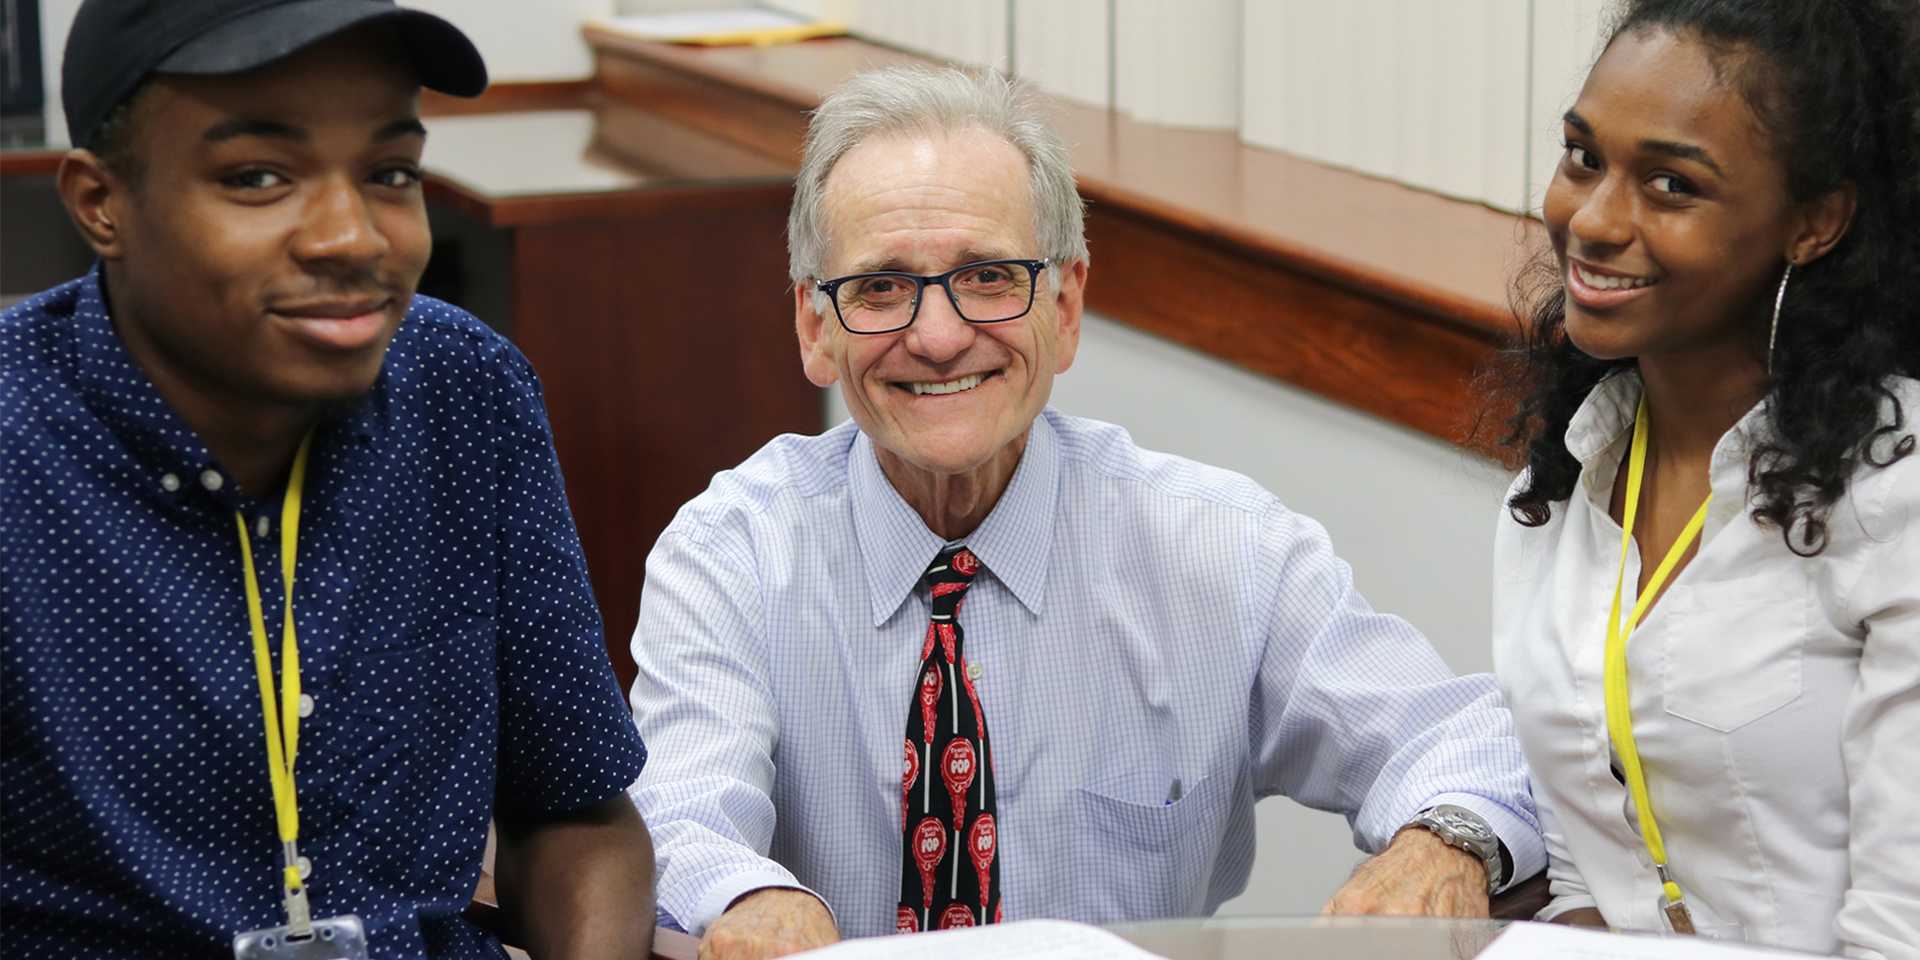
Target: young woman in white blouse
<point x="1722" y="709"/>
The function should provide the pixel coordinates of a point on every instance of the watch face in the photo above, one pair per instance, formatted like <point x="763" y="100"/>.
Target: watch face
<point x="1462" y="828"/>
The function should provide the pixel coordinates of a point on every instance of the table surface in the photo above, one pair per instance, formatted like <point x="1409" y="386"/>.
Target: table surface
<point x="1265" y="938"/>
<point x="1340" y="938"/>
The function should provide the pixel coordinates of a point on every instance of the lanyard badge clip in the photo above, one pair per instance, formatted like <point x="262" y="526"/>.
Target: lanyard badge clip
<point x="1674" y="904"/>
<point x="299" y="915"/>
<point x="303" y="938"/>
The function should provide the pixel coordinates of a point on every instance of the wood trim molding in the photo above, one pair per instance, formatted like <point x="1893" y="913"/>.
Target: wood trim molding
<point x="557" y="208"/>
<point x="1361" y="349"/>
<point x="30" y="163"/>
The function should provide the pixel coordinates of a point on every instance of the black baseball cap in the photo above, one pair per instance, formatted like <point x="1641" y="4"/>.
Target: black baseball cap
<point x="115" y="45"/>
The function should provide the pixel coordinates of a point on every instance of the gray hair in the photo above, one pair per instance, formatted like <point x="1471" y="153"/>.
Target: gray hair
<point x="934" y="100"/>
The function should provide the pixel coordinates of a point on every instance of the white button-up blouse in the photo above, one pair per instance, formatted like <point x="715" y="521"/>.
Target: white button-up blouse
<point x="1775" y="701"/>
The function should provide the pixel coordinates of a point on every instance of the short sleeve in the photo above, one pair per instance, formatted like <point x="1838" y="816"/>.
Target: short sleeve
<point x="566" y="738"/>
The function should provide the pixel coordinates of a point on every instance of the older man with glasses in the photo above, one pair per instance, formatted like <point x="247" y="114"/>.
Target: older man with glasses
<point x="827" y="629"/>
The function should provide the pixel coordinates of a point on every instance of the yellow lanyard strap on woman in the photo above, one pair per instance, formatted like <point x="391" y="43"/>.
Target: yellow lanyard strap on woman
<point x="282" y="721"/>
<point x="1619" y="710"/>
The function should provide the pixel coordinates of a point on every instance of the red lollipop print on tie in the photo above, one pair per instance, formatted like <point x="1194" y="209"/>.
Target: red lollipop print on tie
<point x="981" y="843"/>
<point x="956" y="915"/>
<point x="957" y="768"/>
<point x="930" y="683"/>
<point x="929" y="845"/>
<point x="965" y="563"/>
<point x="926" y="648"/>
<point x="907" y="777"/>
<point x="904" y="920"/>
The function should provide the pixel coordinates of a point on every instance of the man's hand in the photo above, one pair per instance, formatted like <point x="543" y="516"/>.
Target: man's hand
<point x="1417" y="875"/>
<point x="769" y="923"/>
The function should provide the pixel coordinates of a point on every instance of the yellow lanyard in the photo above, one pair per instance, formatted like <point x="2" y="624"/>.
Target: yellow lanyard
<point x="282" y="720"/>
<point x="1619" y="711"/>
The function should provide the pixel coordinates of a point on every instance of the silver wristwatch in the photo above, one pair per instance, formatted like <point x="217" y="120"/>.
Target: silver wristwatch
<point x="1459" y="827"/>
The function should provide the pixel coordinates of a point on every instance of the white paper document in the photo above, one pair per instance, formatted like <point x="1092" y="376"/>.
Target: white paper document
<point x="700" y="23"/>
<point x="1023" y="940"/>
<point x="1553" y="941"/>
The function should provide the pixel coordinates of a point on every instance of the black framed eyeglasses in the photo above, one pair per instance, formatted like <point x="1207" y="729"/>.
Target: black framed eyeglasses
<point x="987" y="291"/>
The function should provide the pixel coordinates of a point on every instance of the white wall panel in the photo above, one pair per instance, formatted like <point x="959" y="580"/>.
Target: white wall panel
<point x="1462" y="98"/>
<point x="1566" y="39"/>
<point x="972" y="32"/>
<point x="1365" y="124"/>
<point x="1503" y="98"/>
<point x="1314" y="46"/>
<point x="673" y="6"/>
<point x="520" y="44"/>
<point x="834" y="11"/>
<point x="1267" y="85"/>
<point x="1178" y="61"/>
<point x="1062" y="45"/>
<point x="56" y="20"/>
<point x="1430" y="94"/>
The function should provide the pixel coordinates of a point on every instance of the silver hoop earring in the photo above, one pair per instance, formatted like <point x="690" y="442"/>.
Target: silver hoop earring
<point x="1774" y="329"/>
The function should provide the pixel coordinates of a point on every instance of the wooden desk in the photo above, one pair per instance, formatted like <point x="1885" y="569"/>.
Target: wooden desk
<point x="641" y="266"/>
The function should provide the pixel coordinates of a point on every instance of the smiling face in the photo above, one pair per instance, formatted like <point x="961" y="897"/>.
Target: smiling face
<point x="1669" y="211"/>
<point x="944" y="397"/>
<point x="267" y="245"/>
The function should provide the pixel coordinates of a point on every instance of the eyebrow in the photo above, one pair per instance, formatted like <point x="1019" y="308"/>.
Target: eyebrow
<point x="1670" y="148"/>
<point x="405" y="127"/>
<point x="275" y="130"/>
<point x="1683" y="151"/>
<point x="896" y="265"/>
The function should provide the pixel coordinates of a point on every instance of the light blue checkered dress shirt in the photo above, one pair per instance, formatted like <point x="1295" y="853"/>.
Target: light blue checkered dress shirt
<point x="1160" y="644"/>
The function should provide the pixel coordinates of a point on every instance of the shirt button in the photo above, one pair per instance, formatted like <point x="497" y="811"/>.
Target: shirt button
<point x="169" y="482"/>
<point x="306" y="705"/>
<point x="212" y="480"/>
<point x="262" y="526"/>
<point x="974" y="671"/>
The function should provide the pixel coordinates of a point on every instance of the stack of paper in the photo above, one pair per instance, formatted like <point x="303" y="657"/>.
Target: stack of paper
<point x="722" y="27"/>
<point x="1024" y="940"/>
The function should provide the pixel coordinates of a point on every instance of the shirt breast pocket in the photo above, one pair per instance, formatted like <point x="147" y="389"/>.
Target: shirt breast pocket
<point x="1737" y="652"/>
<point x="1147" y="857"/>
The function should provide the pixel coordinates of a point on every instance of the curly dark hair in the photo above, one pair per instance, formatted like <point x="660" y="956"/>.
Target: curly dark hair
<point x="1836" y="84"/>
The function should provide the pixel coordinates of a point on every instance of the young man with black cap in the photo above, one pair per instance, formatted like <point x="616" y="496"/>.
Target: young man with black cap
<point x="249" y="481"/>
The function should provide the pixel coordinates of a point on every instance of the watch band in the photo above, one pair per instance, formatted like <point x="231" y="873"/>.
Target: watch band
<point x="1462" y="829"/>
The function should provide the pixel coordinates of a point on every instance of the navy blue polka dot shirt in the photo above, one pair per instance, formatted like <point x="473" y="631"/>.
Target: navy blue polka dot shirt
<point x="450" y="648"/>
